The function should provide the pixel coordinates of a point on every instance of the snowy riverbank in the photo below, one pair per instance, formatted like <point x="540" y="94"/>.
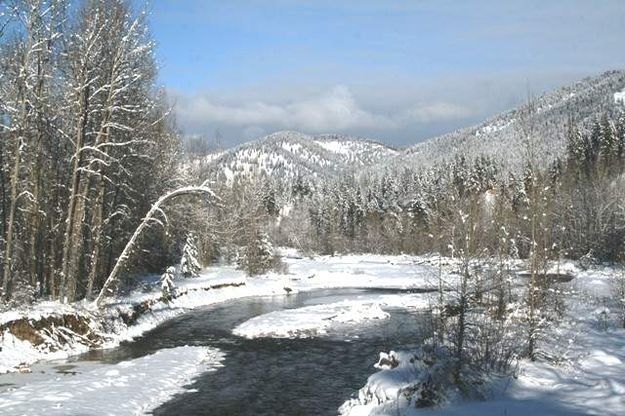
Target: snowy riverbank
<point x="587" y="376"/>
<point x="128" y="388"/>
<point x="22" y="342"/>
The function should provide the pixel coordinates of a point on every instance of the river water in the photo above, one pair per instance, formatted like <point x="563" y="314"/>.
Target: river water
<point x="266" y="376"/>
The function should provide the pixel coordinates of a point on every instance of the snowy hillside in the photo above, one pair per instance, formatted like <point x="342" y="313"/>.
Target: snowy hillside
<point x="504" y="136"/>
<point x="288" y="154"/>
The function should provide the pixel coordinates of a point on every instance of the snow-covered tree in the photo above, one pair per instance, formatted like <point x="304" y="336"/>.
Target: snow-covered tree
<point x="189" y="264"/>
<point x="26" y="98"/>
<point x="167" y="283"/>
<point x="83" y="129"/>
<point x="150" y="218"/>
<point x="258" y="255"/>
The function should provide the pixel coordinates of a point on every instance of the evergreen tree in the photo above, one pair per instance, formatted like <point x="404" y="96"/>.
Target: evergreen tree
<point x="258" y="256"/>
<point x="167" y="283"/>
<point x="189" y="265"/>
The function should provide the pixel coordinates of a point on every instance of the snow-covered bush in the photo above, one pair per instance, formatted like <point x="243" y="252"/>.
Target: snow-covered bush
<point x="189" y="264"/>
<point x="167" y="283"/>
<point x="23" y="293"/>
<point x="423" y="378"/>
<point x="588" y="260"/>
<point x="434" y="383"/>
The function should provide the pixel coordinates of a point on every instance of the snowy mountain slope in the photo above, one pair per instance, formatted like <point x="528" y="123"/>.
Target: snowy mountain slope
<point x="288" y="154"/>
<point x="504" y="136"/>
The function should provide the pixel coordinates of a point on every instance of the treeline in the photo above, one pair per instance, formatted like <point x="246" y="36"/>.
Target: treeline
<point x="502" y="138"/>
<point x="86" y="142"/>
<point x="579" y="198"/>
<point x="575" y="204"/>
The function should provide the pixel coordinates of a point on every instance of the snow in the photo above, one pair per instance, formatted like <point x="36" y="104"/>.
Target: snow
<point x="361" y="271"/>
<point x="127" y="388"/>
<point x="619" y="97"/>
<point x="335" y="146"/>
<point x="284" y="212"/>
<point x="37" y="311"/>
<point x="317" y="320"/>
<point x="16" y="352"/>
<point x="383" y="387"/>
<point x="304" y="274"/>
<point x="309" y="321"/>
<point x="289" y="154"/>
<point x="214" y="285"/>
<point x="212" y="156"/>
<point x="495" y="127"/>
<point x="291" y="147"/>
<point x="588" y="379"/>
<point x="325" y="272"/>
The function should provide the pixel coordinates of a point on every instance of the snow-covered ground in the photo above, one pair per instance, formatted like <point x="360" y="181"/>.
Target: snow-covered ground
<point x="215" y="284"/>
<point x="89" y="390"/>
<point x="127" y="388"/>
<point x="316" y="320"/>
<point x="304" y="274"/>
<point x="589" y="378"/>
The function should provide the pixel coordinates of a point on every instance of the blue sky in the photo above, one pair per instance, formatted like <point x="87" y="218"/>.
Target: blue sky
<point x="400" y="71"/>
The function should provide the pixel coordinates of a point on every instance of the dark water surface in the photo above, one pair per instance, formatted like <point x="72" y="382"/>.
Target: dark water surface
<point x="266" y="376"/>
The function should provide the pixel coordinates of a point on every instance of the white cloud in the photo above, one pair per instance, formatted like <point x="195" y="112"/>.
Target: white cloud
<point x="336" y="109"/>
<point x="333" y="110"/>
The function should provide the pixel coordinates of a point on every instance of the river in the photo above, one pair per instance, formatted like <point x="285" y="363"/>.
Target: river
<point x="267" y="376"/>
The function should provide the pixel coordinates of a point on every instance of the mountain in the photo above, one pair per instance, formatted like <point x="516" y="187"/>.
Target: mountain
<point x="539" y="127"/>
<point x="288" y="154"/>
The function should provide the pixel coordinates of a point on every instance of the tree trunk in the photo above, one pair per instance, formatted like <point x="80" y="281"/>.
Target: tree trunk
<point x="7" y="279"/>
<point x="96" y="226"/>
<point x="3" y="194"/>
<point x="68" y="283"/>
<point x="34" y="224"/>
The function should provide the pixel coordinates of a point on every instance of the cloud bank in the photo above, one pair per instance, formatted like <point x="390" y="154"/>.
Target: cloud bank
<point x="398" y="113"/>
<point x="332" y="110"/>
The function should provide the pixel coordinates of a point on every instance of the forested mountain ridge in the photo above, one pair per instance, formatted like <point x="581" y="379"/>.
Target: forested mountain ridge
<point x="503" y="136"/>
<point x="570" y="142"/>
<point x="288" y="154"/>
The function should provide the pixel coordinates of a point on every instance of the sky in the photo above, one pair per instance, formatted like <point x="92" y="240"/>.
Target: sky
<point x="397" y="71"/>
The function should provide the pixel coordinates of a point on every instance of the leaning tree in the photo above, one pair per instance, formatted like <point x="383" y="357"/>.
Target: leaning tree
<point x="150" y="218"/>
